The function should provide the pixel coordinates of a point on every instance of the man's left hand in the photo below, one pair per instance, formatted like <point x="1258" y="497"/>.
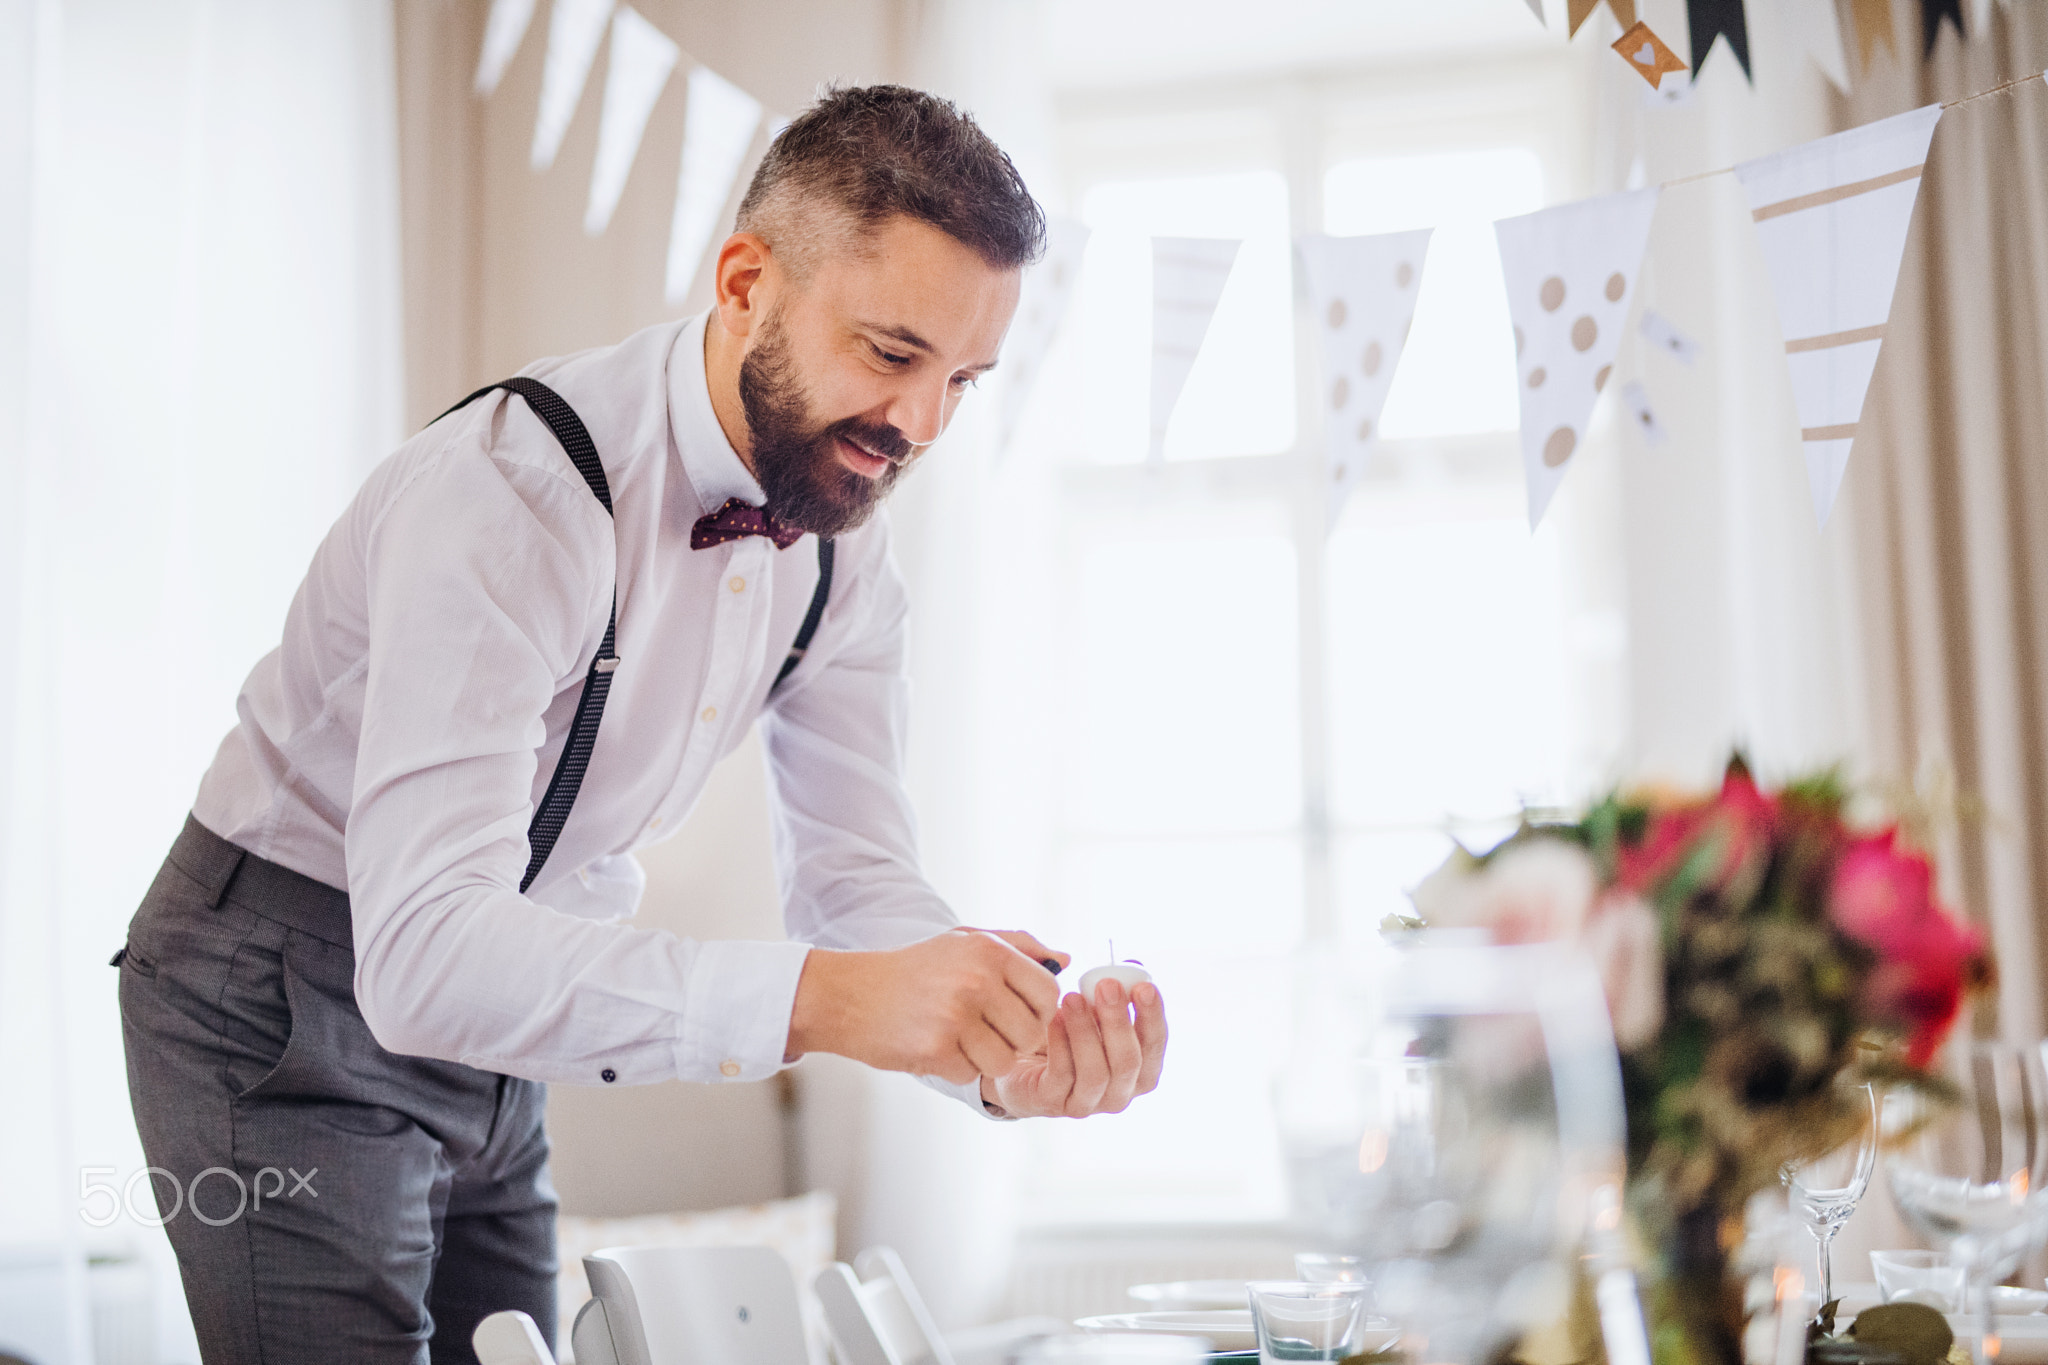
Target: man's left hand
<point x="1099" y="1055"/>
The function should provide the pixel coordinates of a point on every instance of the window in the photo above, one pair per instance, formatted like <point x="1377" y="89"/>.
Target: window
<point x="1270" y="730"/>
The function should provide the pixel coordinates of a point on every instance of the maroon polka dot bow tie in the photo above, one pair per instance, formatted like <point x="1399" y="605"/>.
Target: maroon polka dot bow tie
<point x="736" y="521"/>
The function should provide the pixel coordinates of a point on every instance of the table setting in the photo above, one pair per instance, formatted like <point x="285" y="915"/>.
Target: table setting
<point x="1596" y="1093"/>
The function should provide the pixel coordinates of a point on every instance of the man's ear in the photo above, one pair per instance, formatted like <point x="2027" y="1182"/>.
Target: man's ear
<point x="739" y="282"/>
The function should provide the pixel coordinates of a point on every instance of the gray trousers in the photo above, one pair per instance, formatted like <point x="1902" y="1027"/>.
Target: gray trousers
<point x="334" y="1201"/>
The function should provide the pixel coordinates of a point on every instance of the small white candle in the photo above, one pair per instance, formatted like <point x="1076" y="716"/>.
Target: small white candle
<point x="1130" y="973"/>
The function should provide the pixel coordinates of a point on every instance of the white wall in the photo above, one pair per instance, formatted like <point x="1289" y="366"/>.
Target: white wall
<point x="207" y="362"/>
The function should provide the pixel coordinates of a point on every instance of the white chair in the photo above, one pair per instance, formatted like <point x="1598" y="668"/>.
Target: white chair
<point x="686" y="1305"/>
<point x="510" y="1338"/>
<point x="875" y="1313"/>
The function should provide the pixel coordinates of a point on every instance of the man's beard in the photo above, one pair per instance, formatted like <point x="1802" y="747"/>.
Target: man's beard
<point x="798" y="466"/>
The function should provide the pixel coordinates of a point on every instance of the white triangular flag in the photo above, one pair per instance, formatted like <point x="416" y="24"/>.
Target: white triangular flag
<point x="1048" y="289"/>
<point x="1188" y="275"/>
<point x="718" y="128"/>
<point x="503" y="32"/>
<point x="1831" y="216"/>
<point x="1536" y="8"/>
<point x="1817" y="28"/>
<point x="1570" y="272"/>
<point x="575" y="28"/>
<point x="642" y="57"/>
<point x="1361" y="294"/>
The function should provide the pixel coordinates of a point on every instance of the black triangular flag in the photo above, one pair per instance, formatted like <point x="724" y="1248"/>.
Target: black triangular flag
<point x="1932" y="12"/>
<point x="1711" y="19"/>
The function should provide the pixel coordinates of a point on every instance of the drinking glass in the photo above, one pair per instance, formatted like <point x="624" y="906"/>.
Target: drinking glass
<point x="1967" y="1174"/>
<point x="1299" y="1321"/>
<point x="1826" y="1190"/>
<point x="1918" y="1277"/>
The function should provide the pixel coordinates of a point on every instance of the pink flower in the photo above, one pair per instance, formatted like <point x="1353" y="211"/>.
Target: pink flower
<point x="1883" y="897"/>
<point x="1623" y="941"/>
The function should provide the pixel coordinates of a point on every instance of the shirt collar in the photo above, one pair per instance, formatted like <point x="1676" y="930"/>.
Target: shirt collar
<point x="710" y="463"/>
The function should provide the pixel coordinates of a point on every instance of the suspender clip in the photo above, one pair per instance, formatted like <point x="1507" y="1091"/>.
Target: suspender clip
<point x="605" y="665"/>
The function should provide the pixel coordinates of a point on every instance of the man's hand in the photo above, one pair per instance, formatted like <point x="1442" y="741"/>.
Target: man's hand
<point x="964" y="1004"/>
<point x="1099" y="1055"/>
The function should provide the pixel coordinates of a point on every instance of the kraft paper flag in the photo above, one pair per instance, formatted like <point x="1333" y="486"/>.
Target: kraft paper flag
<point x="642" y="57"/>
<point x="1578" y="11"/>
<point x="1646" y="54"/>
<point x="718" y="128"/>
<point x="575" y="28"/>
<point x="1817" y="27"/>
<point x="503" y="32"/>
<point x="1570" y="271"/>
<point x="1188" y="275"/>
<point x="1831" y="216"/>
<point x="1932" y="12"/>
<point x="1048" y="289"/>
<point x="1873" y="26"/>
<point x="1361" y="294"/>
<point x="1711" y="19"/>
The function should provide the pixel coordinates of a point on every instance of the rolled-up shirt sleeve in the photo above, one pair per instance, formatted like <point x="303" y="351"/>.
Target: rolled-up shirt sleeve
<point x="488" y="585"/>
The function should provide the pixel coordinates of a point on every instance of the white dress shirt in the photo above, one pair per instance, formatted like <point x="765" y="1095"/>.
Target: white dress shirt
<point x="397" y="742"/>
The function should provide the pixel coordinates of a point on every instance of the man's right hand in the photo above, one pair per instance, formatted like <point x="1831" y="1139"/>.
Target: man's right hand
<point x="967" y="1003"/>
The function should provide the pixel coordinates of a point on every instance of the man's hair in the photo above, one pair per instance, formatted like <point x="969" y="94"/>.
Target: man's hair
<point x="865" y="154"/>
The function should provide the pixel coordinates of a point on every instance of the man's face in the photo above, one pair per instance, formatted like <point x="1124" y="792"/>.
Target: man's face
<point x="854" y="373"/>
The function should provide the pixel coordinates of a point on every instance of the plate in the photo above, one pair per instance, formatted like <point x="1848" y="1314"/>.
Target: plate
<point x="1228" y="1329"/>
<point x="1190" y="1294"/>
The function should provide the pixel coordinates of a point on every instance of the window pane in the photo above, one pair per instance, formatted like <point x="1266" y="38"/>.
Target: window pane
<point x="1375" y="872"/>
<point x="1181" y="896"/>
<point x="1457" y="373"/>
<point x="1240" y="397"/>
<point x="1448" y="671"/>
<point x="1185" y="684"/>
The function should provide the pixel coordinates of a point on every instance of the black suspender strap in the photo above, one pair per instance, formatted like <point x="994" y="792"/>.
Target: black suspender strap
<point x="816" y="614"/>
<point x="553" y="811"/>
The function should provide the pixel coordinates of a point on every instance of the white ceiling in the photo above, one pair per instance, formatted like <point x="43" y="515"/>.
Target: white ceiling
<point x="1094" y="43"/>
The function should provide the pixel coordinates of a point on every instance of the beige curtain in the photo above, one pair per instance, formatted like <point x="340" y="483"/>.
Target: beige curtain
<point x="1948" y="486"/>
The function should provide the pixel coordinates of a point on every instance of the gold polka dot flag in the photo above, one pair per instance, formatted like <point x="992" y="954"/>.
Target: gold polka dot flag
<point x="1831" y="216"/>
<point x="1041" y="308"/>
<point x="1570" y="273"/>
<point x="1361" y="293"/>
<point x="1188" y="275"/>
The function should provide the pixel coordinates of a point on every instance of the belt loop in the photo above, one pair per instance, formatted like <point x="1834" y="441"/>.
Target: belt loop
<point x="225" y="879"/>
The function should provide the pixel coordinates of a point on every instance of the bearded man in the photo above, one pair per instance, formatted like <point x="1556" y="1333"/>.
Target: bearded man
<point x="396" y="912"/>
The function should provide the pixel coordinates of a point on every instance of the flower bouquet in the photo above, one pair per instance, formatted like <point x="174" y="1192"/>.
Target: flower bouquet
<point x="1760" y="955"/>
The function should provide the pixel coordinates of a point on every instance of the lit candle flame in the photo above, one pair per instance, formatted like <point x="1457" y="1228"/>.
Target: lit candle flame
<point x="1372" y="1151"/>
<point x="2016" y="1186"/>
<point x="1790" y="1284"/>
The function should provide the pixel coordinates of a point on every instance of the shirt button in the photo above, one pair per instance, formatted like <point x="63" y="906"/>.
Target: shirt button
<point x="728" y="1067"/>
<point x="655" y="823"/>
<point x="737" y="584"/>
<point x="608" y="1075"/>
<point x="710" y="714"/>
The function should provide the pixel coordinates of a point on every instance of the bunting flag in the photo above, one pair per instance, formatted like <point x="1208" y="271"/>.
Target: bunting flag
<point x="1817" y="27"/>
<point x="1831" y="216"/>
<point x="642" y="57"/>
<point x="718" y="128"/>
<point x="1536" y="8"/>
<point x="1646" y="54"/>
<point x="1361" y="294"/>
<point x="503" y="32"/>
<point x="1873" y="26"/>
<point x="1188" y="275"/>
<point x="1711" y="19"/>
<point x="575" y="28"/>
<point x="1042" y="305"/>
<point x="1570" y="272"/>
<point x="1932" y="12"/>
<point x="1578" y="11"/>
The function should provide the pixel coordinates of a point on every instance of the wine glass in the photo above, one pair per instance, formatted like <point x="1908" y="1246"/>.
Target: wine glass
<point x="1826" y="1190"/>
<point x="1966" y="1172"/>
